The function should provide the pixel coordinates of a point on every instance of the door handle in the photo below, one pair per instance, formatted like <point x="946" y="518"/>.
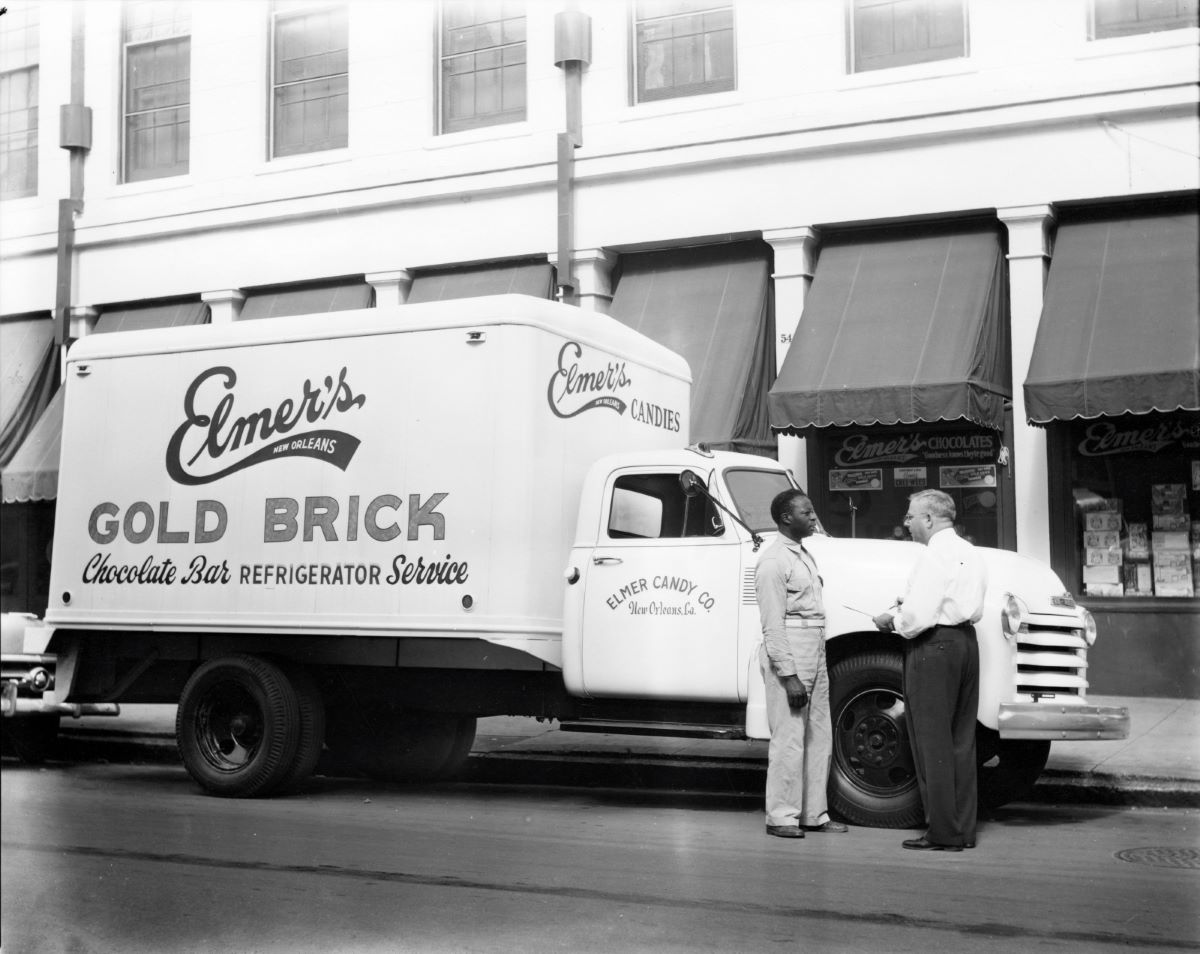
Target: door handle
<point x="606" y="561"/>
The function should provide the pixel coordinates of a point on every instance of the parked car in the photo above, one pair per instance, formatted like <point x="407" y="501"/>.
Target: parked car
<point x="31" y="711"/>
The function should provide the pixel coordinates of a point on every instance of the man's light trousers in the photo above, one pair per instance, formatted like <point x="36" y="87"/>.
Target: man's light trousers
<point x="801" y="739"/>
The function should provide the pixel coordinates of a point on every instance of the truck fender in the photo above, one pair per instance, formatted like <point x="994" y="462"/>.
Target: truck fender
<point x="756" y="699"/>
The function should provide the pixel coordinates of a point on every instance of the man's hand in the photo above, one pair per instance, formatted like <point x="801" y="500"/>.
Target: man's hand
<point x="797" y="695"/>
<point x="884" y="623"/>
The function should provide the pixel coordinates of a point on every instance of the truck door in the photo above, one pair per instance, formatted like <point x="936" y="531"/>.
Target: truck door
<point x="661" y="594"/>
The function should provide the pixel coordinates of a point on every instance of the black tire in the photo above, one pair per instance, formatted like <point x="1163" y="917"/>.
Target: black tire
<point x="32" y="738"/>
<point x="238" y="726"/>
<point x="312" y="728"/>
<point x="460" y="751"/>
<point x="1008" y="768"/>
<point x="396" y="745"/>
<point x="872" y="780"/>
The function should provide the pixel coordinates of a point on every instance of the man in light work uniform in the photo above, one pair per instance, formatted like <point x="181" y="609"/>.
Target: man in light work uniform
<point x="941" y="669"/>
<point x="792" y="659"/>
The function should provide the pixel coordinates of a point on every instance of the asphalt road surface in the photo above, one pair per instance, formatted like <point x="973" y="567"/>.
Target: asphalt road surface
<point x="129" y="858"/>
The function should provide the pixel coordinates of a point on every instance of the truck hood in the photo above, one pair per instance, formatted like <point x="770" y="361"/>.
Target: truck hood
<point x="859" y="572"/>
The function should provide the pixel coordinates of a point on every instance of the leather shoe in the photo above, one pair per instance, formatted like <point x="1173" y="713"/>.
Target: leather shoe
<point x="924" y="844"/>
<point x="831" y="827"/>
<point x="785" y="831"/>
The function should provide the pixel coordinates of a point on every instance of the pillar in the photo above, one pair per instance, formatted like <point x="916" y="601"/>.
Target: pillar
<point x="225" y="306"/>
<point x="593" y="278"/>
<point x="795" y="262"/>
<point x="82" y="320"/>
<point x="391" y="288"/>
<point x="1028" y="262"/>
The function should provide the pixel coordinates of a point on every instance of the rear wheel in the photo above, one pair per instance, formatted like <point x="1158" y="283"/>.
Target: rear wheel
<point x="238" y="726"/>
<point x="312" y="728"/>
<point x="872" y="780"/>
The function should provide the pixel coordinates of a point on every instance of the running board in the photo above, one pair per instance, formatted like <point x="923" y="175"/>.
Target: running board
<point x="676" y="729"/>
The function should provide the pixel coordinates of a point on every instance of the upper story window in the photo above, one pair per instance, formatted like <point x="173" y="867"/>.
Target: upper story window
<point x="482" y="63"/>
<point x="1125" y="17"/>
<point x="158" y="83"/>
<point x="889" y="33"/>
<point x="683" y="48"/>
<point x="19" y="101"/>
<point x="310" y="79"/>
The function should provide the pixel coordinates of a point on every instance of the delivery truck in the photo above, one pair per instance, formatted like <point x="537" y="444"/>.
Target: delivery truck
<point x="357" y="533"/>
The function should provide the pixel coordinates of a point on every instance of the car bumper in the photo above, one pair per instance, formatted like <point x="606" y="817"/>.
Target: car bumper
<point x="13" y="705"/>
<point x="1041" y="720"/>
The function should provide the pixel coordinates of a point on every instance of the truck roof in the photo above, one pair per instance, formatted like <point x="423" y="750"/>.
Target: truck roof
<point x="565" y="321"/>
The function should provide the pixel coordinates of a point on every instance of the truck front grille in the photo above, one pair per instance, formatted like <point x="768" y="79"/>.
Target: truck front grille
<point x="1051" y="659"/>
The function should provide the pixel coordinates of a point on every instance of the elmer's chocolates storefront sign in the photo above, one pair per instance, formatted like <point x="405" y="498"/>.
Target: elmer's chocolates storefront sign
<point x="869" y="474"/>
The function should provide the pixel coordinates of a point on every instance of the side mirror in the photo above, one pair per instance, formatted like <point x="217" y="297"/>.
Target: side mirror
<point x="690" y="484"/>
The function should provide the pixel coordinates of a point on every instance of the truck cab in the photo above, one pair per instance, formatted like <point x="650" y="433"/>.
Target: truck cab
<point x="661" y="605"/>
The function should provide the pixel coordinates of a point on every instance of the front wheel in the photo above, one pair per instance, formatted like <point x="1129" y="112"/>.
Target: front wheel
<point x="239" y="726"/>
<point x="872" y="780"/>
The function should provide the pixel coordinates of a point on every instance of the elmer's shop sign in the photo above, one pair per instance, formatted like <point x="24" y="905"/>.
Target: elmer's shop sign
<point x="953" y="459"/>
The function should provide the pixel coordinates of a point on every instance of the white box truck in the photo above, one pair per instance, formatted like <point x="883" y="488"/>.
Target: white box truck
<point x="359" y="532"/>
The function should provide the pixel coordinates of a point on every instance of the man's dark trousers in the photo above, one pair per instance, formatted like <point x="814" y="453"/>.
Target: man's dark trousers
<point x="941" y="692"/>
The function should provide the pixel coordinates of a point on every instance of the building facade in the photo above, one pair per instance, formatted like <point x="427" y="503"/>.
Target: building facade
<point x="902" y="243"/>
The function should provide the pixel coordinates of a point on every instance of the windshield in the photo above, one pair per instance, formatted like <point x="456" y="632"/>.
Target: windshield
<point x="752" y="492"/>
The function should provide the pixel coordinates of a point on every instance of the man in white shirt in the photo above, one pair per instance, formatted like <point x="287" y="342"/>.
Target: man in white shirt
<point x="941" y="669"/>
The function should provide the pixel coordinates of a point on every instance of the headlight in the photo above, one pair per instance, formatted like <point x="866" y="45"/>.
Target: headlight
<point x="1089" y="627"/>
<point x="1012" y="613"/>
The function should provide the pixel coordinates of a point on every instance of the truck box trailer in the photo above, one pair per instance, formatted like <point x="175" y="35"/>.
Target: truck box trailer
<point x="358" y="532"/>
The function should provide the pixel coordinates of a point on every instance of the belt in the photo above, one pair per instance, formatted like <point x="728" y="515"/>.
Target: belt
<point x="808" y="623"/>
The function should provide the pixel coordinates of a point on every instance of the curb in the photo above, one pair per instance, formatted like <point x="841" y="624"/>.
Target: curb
<point x="727" y="777"/>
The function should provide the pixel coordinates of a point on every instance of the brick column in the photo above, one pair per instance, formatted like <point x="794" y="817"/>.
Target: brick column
<point x="1028" y="263"/>
<point x="391" y="288"/>
<point x="795" y="262"/>
<point x="225" y="306"/>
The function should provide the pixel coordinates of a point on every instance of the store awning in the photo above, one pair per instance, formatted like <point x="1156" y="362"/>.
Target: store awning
<point x="900" y="331"/>
<point x="151" y="316"/>
<point x="524" y="278"/>
<point x="712" y="306"/>
<point x="28" y="359"/>
<point x="307" y="300"/>
<point x="32" y="474"/>
<point x="1120" y="328"/>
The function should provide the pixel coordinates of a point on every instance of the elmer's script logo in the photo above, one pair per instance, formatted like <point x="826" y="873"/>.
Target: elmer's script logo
<point x="1104" y="438"/>
<point x="212" y="433"/>
<point x="574" y="389"/>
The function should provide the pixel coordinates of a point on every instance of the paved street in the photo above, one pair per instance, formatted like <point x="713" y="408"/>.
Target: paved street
<point x="102" y="858"/>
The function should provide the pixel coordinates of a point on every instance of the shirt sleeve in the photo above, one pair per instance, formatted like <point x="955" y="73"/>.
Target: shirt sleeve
<point x="923" y="601"/>
<point x="770" y="584"/>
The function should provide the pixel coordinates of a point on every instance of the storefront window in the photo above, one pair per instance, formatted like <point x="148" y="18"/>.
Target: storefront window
<point x="1135" y="485"/>
<point x="868" y="474"/>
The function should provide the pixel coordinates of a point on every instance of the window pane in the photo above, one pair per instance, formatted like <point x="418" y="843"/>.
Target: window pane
<point x="890" y="33"/>
<point x="483" y="64"/>
<point x="683" y="47"/>
<point x="157" y="144"/>
<point x="311" y="116"/>
<point x="19" y="36"/>
<point x="18" y="133"/>
<point x="1126" y="17"/>
<point x="310" y="46"/>
<point x="158" y="75"/>
<point x="156" y="20"/>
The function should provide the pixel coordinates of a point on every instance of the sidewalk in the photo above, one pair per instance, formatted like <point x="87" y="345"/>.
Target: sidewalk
<point x="1158" y="765"/>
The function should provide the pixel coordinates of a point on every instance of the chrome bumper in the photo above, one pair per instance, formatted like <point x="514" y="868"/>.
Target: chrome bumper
<point x="13" y="705"/>
<point x="1048" y="720"/>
